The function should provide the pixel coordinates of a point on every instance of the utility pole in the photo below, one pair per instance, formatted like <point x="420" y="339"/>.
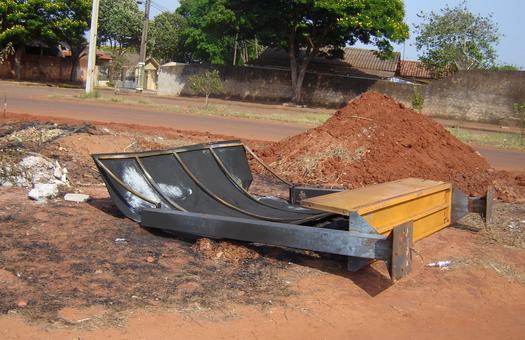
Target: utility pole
<point x="235" y="49"/>
<point x="142" y="54"/>
<point x="92" y="54"/>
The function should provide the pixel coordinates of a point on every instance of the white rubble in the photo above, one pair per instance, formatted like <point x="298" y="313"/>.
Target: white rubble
<point x="43" y="191"/>
<point x="42" y="170"/>
<point x="79" y="198"/>
<point x="37" y="172"/>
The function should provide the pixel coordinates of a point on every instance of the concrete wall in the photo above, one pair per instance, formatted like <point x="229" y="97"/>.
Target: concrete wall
<point x="485" y="96"/>
<point x="475" y="95"/>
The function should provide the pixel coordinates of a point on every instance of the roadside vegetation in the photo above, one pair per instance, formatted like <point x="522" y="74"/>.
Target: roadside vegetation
<point x="212" y="109"/>
<point x="500" y="140"/>
<point x="456" y="39"/>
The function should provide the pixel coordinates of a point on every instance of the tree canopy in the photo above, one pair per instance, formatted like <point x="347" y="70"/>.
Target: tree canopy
<point x="210" y="32"/>
<point x="119" y="24"/>
<point x="47" y="22"/>
<point x="71" y="23"/>
<point x="505" y="67"/>
<point x="27" y="21"/>
<point x="456" y="39"/>
<point x="308" y="28"/>
<point x="164" y="37"/>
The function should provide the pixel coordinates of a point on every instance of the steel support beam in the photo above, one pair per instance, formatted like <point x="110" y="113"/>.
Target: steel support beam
<point x="340" y="242"/>
<point x="401" y="263"/>
<point x="463" y="205"/>
<point x="360" y="246"/>
<point x="299" y="193"/>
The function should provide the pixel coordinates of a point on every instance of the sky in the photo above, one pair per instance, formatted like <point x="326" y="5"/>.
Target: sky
<point x="508" y="14"/>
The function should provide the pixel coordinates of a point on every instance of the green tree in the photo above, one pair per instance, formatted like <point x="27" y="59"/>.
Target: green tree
<point x="309" y="28"/>
<point x="519" y="114"/>
<point x="164" y="37"/>
<point x="505" y="67"/>
<point x="70" y="24"/>
<point x="119" y="24"/>
<point x="6" y="51"/>
<point x="23" y="21"/>
<point x="456" y="39"/>
<point x="210" y="32"/>
<point x="206" y="83"/>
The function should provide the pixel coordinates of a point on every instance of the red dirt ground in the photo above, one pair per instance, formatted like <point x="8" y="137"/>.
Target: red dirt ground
<point x="63" y="260"/>
<point x="375" y="139"/>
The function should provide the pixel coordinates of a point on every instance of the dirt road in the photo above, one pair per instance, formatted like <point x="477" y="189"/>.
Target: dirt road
<point x="49" y="101"/>
<point x="85" y="286"/>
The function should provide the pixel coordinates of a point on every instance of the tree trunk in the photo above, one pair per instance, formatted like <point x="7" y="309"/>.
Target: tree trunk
<point x="297" y="90"/>
<point x="298" y="70"/>
<point x="293" y="65"/>
<point x="298" y="74"/>
<point x="18" y="62"/>
<point x="76" y="54"/>
<point x="206" y="101"/>
<point x="73" y="77"/>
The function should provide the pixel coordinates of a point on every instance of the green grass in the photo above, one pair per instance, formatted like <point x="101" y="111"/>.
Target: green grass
<point x="501" y="140"/>
<point x="306" y="118"/>
<point x="94" y="94"/>
<point x="225" y="111"/>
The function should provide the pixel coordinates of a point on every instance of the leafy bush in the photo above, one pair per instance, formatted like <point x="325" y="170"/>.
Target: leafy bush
<point x="519" y="114"/>
<point x="417" y="99"/>
<point x="206" y="83"/>
<point x="6" y="51"/>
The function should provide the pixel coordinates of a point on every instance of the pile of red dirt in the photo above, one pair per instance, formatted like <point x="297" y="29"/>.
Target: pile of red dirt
<point x="510" y="186"/>
<point x="375" y="139"/>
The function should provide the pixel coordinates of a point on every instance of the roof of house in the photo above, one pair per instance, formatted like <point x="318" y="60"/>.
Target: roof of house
<point x="152" y="63"/>
<point x="369" y="59"/>
<point x="355" y="61"/>
<point x="413" y="69"/>
<point x="103" y="55"/>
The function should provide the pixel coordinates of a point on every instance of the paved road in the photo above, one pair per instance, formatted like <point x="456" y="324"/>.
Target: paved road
<point x="41" y="101"/>
<point x="38" y="100"/>
<point x="503" y="159"/>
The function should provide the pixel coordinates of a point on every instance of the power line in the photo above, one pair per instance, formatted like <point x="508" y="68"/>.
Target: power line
<point x="159" y="7"/>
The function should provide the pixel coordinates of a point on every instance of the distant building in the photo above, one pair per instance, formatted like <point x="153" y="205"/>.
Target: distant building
<point x="357" y="62"/>
<point x="43" y="63"/>
<point x="414" y="71"/>
<point x="151" y="69"/>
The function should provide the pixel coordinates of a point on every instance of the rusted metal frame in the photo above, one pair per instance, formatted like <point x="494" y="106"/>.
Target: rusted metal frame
<point x="124" y="185"/>
<point x="225" y="203"/>
<point x="241" y="188"/>
<point x="155" y="185"/>
<point x="264" y="165"/>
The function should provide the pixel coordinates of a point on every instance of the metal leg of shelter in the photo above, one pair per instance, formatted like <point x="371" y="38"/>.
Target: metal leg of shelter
<point x="400" y="262"/>
<point x="354" y="243"/>
<point x="463" y="205"/>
